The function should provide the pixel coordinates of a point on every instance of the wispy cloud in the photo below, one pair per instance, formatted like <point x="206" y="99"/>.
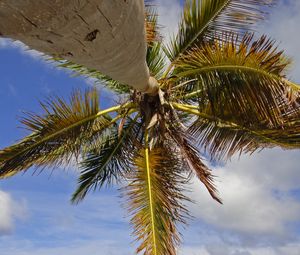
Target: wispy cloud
<point x="257" y="201"/>
<point x="77" y="247"/>
<point x="283" y="26"/>
<point x="12" y="89"/>
<point x="169" y="12"/>
<point x="10" y="210"/>
<point x="6" y="223"/>
<point x="222" y="248"/>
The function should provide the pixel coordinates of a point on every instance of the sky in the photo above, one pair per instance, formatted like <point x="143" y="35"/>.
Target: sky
<point x="261" y="192"/>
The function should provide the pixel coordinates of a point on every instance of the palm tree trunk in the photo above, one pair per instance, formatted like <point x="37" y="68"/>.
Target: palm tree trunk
<point x="106" y="35"/>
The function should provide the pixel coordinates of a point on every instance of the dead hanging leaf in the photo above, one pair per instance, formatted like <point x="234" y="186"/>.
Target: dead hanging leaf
<point x="153" y="121"/>
<point x="161" y="95"/>
<point x="121" y="126"/>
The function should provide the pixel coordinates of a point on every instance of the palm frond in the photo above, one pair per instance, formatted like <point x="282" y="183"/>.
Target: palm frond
<point x="59" y="134"/>
<point x="223" y="141"/>
<point x="98" y="77"/>
<point x="243" y="80"/>
<point x="203" y="20"/>
<point x="108" y="161"/>
<point x="287" y="137"/>
<point x="223" y="137"/>
<point x="152" y="27"/>
<point x="191" y="157"/>
<point x="155" y="60"/>
<point x="155" y="200"/>
<point x="155" y="56"/>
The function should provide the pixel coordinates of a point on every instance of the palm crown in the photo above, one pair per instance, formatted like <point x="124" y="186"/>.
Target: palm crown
<point x="220" y="92"/>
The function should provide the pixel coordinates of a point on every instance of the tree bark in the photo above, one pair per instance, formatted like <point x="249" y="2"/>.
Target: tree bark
<point x="106" y="35"/>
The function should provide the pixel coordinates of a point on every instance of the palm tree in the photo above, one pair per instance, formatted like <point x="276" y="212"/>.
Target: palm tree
<point x="220" y="92"/>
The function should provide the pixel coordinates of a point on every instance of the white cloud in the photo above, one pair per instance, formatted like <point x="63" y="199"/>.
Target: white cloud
<point x="283" y="26"/>
<point x="194" y="251"/>
<point x="6" y="213"/>
<point x="4" y="43"/>
<point x="169" y="16"/>
<point x="73" y="248"/>
<point x="221" y="248"/>
<point x="96" y="226"/>
<point x="255" y="193"/>
<point x="9" y="211"/>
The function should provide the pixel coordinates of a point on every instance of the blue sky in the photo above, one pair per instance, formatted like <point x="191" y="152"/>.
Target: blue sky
<point x="261" y="214"/>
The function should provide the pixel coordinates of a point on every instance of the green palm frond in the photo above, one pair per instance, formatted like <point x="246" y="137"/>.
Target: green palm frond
<point x="221" y="138"/>
<point x="287" y="137"/>
<point x="155" y="59"/>
<point x="155" y="55"/>
<point x="99" y="78"/>
<point x="204" y="20"/>
<point x="58" y="135"/>
<point x="223" y="141"/>
<point x="155" y="200"/>
<point x="245" y="81"/>
<point x="108" y="161"/>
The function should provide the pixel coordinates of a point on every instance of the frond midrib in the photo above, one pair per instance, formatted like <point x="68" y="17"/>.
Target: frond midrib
<point x="202" y="29"/>
<point x="231" y="67"/>
<point x="120" y="141"/>
<point x="189" y="44"/>
<point x="191" y="110"/>
<point x="97" y="115"/>
<point x="148" y="169"/>
<point x="117" y="146"/>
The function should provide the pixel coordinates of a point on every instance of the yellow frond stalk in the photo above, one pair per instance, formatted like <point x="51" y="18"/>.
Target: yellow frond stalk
<point x="148" y="169"/>
<point x="155" y="195"/>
